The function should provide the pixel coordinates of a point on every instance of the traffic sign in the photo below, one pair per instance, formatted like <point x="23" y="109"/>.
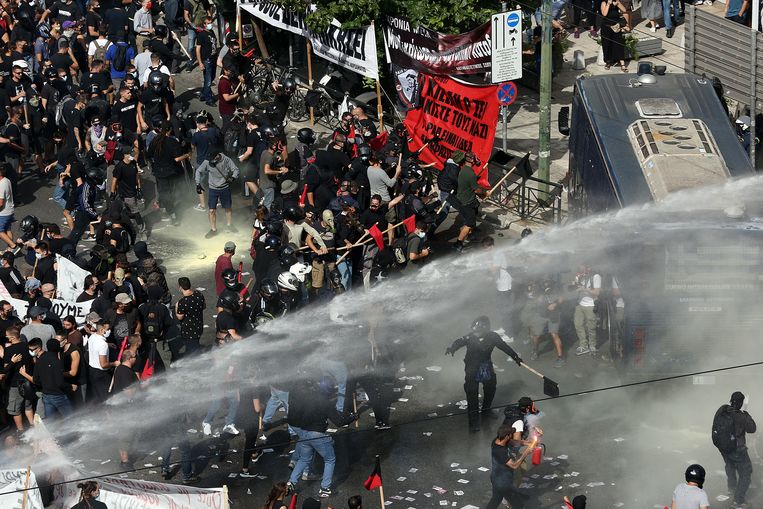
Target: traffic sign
<point x="507" y="93"/>
<point x="506" y="47"/>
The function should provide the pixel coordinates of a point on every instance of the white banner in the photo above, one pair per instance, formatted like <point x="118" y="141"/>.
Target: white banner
<point x="14" y="480"/>
<point x="61" y="308"/>
<point x="71" y="279"/>
<point x="353" y="49"/>
<point x="119" y="493"/>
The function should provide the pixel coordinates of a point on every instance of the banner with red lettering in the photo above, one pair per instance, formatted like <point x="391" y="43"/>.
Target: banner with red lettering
<point x="460" y="117"/>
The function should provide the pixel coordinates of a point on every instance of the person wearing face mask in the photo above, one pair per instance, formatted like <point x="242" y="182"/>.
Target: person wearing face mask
<point x="220" y="172"/>
<point x="418" y="249"/>
<point x="46" y="266"/>
<point x="126" y="185"/>
<point x="95" y="134"/>
<point x="49" y="377"/>
<point x="88" y="499"/>
<point x="123" y="317"/>
<point x="10" y="275"/>
<point x="206" y="51"/>
<point x="98" y="359"/>
<point x="143" y="23"/>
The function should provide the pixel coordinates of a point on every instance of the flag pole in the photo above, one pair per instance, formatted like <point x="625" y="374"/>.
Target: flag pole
<point x="26" y="486"/>
<point x="238" y="26"/>
<point x="310" y="76"/>
<point x="381" y="496"/>
<point x="379" y="108"/>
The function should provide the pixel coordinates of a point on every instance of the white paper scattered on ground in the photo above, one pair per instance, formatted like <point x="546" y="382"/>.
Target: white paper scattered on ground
<point x="152" y="472"/>
<point x="105" y="461"/>
<point x="408" y="387"/>
<point x="401" y="478"/>
<point x="433" y="414"/>
<point x="463" y="481"/>
<point x="404" y="400"/>
<point x="412" y="492"/>
<point x="409" y="499"/>
<point x="721" y="498"/>
<point x="470" y="507"/>
<point x="201" y="289"/>
<point x="439" y="490"/>
<point x="444" y="502"/>
<point x="619" y="439"/>
<point x="594" y="484"/>
<point x="562" y="457"/>
<point x="233" y="475"/>
<point x="215" y="466"/>
<point x="459" y="493"/>
<point x="427" y="433"/>
<point x="619" y="504"/>
<point x="574" y="474"/>
<point x="413" y="470"/>
<point x="573" y="485"/>
<point x="526" y="485"/>
<point x="193" y="430"/>
<point x="149" y="465"/>
<point x="483" y="469"/>
<point x="434" y="368"/>
<point x="460" y="470"/>
<point x="248" y="491"/>
<point x="428" y="495"/>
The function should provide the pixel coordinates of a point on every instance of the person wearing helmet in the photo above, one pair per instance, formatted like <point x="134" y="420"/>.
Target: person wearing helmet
<point x="220" y="172"/>
<point x="156" y="67"/>
<point x="267" y="304"/>
<point x="303" y="152"/>
<point x="154" y="101"/>
<point x="266" y="261"/>
<point x="289" y="286"/>
<point x="478" y="367"/>
<point x="690" y="495"/>
<point x="228" y="92"/>
<point x="296" y="227"/>
<point x="85" y="205"/>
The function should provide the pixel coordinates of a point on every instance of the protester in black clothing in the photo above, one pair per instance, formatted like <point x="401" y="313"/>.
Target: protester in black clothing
<point x="736" y="458"/>
<point x="206" y="53"/>
<point x="155" y="321"/>
<point x="189" y="311"/>
<point x="125" y="109"/>
<point x="479" y="367"/>
<point x="166" y="156"/>
<point x="16" y="356"/>
<point x="7" y="320"/>
<point x="249" y="411"/>
<point x="88" y="499"/>
<point x="49" y="376"/>
<point x="504" y="463"/>
<point x="45" y="265"/>
<point x="10" y="275"/>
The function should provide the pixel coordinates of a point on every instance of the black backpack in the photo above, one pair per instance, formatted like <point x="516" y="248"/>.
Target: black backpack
<point x="400" y="250"/>
<point x="120" y="57"/>
<point x="512" y="414"/>
<point x="152" y="322"/>
<point x="723" y="433"/>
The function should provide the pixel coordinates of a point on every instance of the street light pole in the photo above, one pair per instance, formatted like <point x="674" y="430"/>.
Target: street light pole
<point x="544" y="122"/>
<point x="504" y="110"/>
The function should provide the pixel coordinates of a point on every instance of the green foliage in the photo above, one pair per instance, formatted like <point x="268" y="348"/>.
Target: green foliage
<point x="448" y="16"/>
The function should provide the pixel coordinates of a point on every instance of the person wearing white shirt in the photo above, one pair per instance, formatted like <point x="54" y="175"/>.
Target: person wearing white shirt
<point x="156" y="64"/>
<point x="690" y="495"/>
<point x="98" y="359"/>
<point x="142" y="63"/>
<point x="588" y="285"/>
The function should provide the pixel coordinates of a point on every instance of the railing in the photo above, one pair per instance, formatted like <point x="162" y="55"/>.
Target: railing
<point x="523" y="194"/>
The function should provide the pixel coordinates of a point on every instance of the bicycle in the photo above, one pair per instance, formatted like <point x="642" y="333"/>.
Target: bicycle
<point x="325" y="108"/>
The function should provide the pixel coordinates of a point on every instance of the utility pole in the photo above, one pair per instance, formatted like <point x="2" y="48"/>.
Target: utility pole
<point x="544" y="122"/>
<point x="504" y="110"/>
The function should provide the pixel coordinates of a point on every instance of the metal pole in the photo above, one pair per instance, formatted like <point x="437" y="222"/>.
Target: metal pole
<point x="504" y="110"/>
<point x="544" y="122"/>
<point x="291" y="50"/>
<point x="753" y="90"/>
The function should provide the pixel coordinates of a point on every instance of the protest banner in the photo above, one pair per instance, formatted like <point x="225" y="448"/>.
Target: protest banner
<point x="71" y="279"/>
<point x="12" y="484"/>
<point x="119" y="493"/>
<point x="459" y="117"/>
<point x="432" y="52"/>
<point x="353" y="49"/>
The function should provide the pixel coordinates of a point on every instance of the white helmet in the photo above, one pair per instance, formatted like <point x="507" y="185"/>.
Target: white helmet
<point x="301" y="270"/>
<point x="288" y="281"/>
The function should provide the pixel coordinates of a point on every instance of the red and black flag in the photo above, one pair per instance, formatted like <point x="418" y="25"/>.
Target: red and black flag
<point x="410" y="223"/>
<point x="375" y="479"/>
<point x="376" y="233"/>
<point x="148" y="369"/>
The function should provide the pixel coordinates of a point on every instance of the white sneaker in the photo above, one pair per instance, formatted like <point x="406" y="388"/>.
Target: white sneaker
<point x="231" y="429"/>
<point x="200" y="207"/>
<point x="206" y="428"/>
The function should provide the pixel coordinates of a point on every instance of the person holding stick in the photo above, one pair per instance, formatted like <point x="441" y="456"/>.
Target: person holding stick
<point x="478" y="369"/>
<point x="466" y="199"/>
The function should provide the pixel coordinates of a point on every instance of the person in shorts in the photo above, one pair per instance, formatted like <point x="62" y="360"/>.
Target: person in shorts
<point x="6" y="207"/>
<point x="220" y="172"/>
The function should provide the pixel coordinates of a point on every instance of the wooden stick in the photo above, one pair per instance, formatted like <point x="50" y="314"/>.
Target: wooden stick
<point x="42" y="234"/>
<point x="379" y="108"/>
<point x="501" y="181"/>
<point x="310" y="76"/>
<point x="238" y="26"/>
<point x="260" y="39"/>
<point x="34" y="269"/>
<point x="121" y="351"/>
<point x="26" y="114"/>
<point x="381" y="497"/>
<point x="174" y="36"/>
<point x="26" y="486"/>
<point x="531" y="370"/>
<point x="358" y="243"/>
<point x="355" y="408"/>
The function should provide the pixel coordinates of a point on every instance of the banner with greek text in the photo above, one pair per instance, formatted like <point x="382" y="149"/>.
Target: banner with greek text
<point x="118" y="493"/>
<point x="459" y="117"/>
<point x="353" y="49"/>
<point x="432" y="52"/>
<point x="13" y="480"/>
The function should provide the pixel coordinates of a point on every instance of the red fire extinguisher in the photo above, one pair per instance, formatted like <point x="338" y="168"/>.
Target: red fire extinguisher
<point x="537" y="455"/>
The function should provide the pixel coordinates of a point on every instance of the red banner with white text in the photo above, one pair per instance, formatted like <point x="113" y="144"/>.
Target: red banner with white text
<point x="459" y="117"/>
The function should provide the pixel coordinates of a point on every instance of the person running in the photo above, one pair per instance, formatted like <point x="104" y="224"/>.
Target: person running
<point x="504" y="463"/>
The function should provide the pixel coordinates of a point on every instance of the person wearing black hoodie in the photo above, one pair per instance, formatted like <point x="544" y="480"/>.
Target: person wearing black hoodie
<point x="738" y="464"/>
<point x="49" y="376"/>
